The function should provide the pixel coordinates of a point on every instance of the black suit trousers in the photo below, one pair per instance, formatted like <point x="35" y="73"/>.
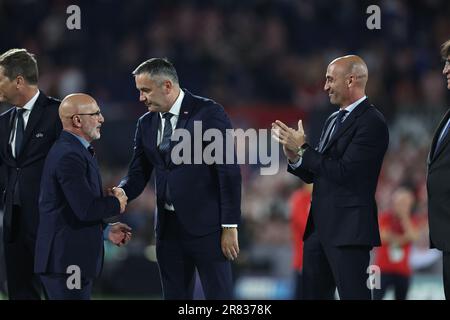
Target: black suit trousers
<point x="327" y="267"/>
<point x="23" y="284"/>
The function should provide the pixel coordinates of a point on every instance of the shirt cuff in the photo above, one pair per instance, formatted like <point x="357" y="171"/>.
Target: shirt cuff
<point x="229" y="225"/>
<point x="106" y="232"/>
<point x="296" y="164"/>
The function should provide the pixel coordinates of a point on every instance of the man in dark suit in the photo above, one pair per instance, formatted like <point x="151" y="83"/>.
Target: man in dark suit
<point x="198" y="204"/>
<point x="27" y="131"/>
<point x="72" y="206"/>
<point x="438" y="186"/>
<point x="342" y="226"/>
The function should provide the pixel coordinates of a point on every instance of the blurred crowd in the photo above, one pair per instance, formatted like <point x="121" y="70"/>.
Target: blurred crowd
<point x="249" y="56"/>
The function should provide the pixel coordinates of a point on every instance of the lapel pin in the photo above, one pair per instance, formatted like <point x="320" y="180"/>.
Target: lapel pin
<point x="185" y="112"/>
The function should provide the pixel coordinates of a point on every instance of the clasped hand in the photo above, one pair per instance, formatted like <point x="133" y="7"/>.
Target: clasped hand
<point x="119" y="193"/>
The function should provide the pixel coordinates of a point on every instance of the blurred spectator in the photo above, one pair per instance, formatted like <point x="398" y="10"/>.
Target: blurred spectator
<point x="398" y="230"/>
<point x="300" y="203"/>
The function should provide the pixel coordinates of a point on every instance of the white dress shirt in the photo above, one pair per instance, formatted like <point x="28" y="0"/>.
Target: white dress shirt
<point x="175" y="110"/>
<point x="26" y="115"/>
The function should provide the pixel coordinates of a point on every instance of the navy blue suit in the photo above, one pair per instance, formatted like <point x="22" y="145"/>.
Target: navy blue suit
<point x="72" y="208"/>
<point x="204" y="197"/>
<point x="438" y="197"/>
<point x="21" y="178"/>
<point x="342" y="226"/>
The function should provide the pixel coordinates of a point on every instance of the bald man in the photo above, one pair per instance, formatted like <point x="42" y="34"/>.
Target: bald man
<point x="342" y="226"/>
<point x="69" y="245"/>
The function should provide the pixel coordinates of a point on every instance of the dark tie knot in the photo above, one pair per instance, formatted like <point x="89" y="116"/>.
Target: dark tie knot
<point x="91" y="150"/>
<point x="167" y="116"/>
<point x="20" y="111"/>
<point x="342" y="114"/>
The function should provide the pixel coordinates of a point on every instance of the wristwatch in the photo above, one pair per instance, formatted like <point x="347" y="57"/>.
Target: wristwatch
<point x="302" y="149"/>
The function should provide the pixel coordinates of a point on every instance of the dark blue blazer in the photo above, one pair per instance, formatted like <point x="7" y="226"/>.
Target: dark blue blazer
<point x="438" y="188"/>
<point x="204" y="195"/>
<point x="72" y="207"/>
<point x="345" y="175"/>
<point x="43" y="129"/>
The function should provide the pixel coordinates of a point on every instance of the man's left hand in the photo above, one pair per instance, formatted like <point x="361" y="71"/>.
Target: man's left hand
<point x="119" y="234"/>
<point x="229" y="243"/>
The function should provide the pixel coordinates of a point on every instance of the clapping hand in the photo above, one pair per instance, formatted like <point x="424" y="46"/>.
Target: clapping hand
<point x="290" y="138"/>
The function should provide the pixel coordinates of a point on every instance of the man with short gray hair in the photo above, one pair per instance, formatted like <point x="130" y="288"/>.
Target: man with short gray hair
<point x="198" y="205"/>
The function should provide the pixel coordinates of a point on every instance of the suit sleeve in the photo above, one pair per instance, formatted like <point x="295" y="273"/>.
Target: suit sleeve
<point x="302" y="173"/>
<point x="71" y="175"/>
<point x="139" y="169"/>
<point x="229" y="175"/>
<point x="365" y="149"/>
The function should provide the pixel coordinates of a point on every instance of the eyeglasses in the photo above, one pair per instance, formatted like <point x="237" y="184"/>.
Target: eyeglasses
<point x="93" y="114"/>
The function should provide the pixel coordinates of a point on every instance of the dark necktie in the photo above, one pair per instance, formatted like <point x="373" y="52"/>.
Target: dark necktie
<point x="338" y="122"/>
<point x="330" y="132"/>
<point x="91" y="150"/>
<point x="20" y="130"/>
<point x="164" y="148"/>
<point x="165" y="142"/>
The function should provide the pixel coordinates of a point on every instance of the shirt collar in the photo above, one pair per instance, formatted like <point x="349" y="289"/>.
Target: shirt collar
<point x="83" y="141"/>
<point x="30" y="104"/>
<point x="354" y="104"/>
<point x="175" y="110"/>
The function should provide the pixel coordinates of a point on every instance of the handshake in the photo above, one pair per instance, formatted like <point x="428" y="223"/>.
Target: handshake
<point x="119" y="233"/>
<point x="120" y="195"/>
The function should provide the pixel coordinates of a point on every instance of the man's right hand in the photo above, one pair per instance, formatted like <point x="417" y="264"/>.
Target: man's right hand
<point x="119" y="193"/>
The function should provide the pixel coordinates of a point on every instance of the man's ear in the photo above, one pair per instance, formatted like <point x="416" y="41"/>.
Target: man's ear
<point x="20" y="81"/>
<point x="350" y="80"/>
<point x="168" y="85"/>
<point x="76" y="121"/>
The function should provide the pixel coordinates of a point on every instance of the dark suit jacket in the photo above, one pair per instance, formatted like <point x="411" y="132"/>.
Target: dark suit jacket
<point x="43" y="128"/>
<point x="71" y="207"/>
<point x="204" y="196"/>
<point x="345" y="174"/>
<point x="438" y="187"/>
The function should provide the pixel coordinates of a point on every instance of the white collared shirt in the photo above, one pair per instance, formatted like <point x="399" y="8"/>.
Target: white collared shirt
<point x="175" y="110"/>
<point x="26" y="115"/>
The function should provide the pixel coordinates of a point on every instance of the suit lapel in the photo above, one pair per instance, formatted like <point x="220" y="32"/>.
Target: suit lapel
<point x="35" y="116"/>
<point x="348" y="122"/>
<point x="326" y="133"/>
<point x="183" y="118"/>
<point x="434" y="153"/>
<point x="185" y="110"/>
<point x="77" y="144"/>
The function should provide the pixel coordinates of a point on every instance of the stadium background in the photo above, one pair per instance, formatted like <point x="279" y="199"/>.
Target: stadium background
<point x="262" y="60"/>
